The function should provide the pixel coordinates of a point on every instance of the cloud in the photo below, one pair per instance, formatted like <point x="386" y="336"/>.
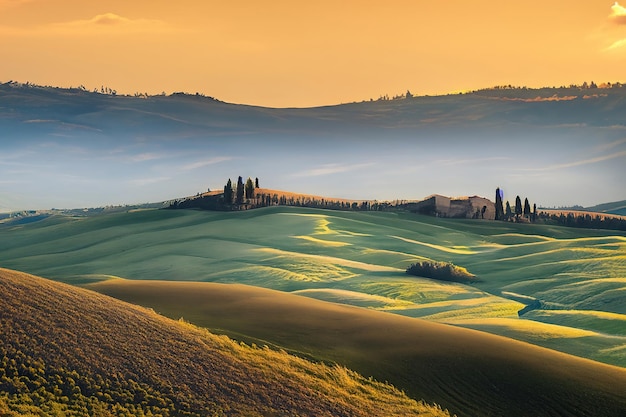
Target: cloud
<point x="329" y="169"/>
<point x="608" y="146"/>
<point x="106" y="19"/>
<point x="617" y="44"/>
<point x="471" y="161"/>
<point x="595" y="160"/>
<point x="148" y="156"/>
<point x="617" y="17"/>
<point x="102" y="24"/>
<point x="618" y="14"/>
<point x="200" y="164"/>
<point x="111" y="22"/>
<point x="140" y="182"/>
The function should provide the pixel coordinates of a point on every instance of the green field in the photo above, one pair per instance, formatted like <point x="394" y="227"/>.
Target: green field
<point x="358" y="258"/>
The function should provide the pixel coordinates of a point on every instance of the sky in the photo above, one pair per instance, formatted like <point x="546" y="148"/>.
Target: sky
<point x="301" y="54"/>
<point x="285" y="53"/>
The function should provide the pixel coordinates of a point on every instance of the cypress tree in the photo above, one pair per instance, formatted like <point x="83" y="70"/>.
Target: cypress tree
<point x="499" y="209"/>
<point x="509" y="212"/>
<point x="518" y="206"/>
<point x="239" y="198"/>
<point x="249" y="189"/>
<point x="526" y="208"/>
<point x="228" y="193"/>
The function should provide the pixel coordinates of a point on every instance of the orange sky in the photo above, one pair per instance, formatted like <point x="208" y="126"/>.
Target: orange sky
<point x="297" y="53"/>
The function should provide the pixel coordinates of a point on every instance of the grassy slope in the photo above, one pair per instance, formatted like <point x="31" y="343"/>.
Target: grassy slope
<point x="69" y="351"/>
<point x="468" y="372"/>
<point x="358" y="258"/>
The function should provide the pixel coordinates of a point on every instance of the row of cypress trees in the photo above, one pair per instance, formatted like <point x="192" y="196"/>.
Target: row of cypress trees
<point x="507" y="214"/>
<point x="242" y="191"/>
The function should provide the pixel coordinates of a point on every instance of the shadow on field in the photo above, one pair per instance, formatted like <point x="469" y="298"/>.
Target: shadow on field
<point x="468" y="372"/>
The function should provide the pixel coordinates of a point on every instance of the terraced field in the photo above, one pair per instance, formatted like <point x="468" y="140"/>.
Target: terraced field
<point x="570" y="284"/>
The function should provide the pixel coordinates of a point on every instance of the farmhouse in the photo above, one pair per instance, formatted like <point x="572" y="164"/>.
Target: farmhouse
<point x="460" y="207"/>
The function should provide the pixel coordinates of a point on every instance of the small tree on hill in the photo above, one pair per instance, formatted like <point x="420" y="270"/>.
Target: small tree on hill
<point x="239" y="197"/>
<point x="508" y="213"/>
<point x="256" y="182"/>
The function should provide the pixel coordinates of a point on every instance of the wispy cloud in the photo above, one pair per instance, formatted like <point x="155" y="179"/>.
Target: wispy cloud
<point x="589" y="161"/>
<point x="617" y="44"/>
<point x="111" y="22"/>
<point x="608" y="146"/>
<point x="140" y="182"/>
<point x="102" y="24"/>
<point x="148" y="156"/>
<point x="618" y="14"/>
<point x="329" y="169"/>
<point x="616" y="18"/>
<point x="471" y="161"/>
<point x="211" y="161"/>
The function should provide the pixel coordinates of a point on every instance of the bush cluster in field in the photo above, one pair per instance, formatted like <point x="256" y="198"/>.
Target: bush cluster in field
<point x="444" y="271"/>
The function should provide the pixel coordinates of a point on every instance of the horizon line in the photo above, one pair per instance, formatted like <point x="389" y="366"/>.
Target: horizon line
<point x="107" y="91"/>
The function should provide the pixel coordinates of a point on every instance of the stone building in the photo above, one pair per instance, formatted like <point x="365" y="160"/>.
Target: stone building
<point x="460" y="207"/>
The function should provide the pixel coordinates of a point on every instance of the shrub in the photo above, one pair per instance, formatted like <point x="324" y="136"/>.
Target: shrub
<point x="443" y="271"/>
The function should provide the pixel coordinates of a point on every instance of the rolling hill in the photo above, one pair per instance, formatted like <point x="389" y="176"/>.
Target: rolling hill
<point x="468" y="372"/>
<point x="66" y="351"/>
<point x="29" y="109"/>
<point x="575" y="276"/>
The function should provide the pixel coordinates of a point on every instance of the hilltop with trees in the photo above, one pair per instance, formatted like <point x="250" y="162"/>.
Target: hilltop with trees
<point x="248" y="195"/>
<point x="568" y="218"/>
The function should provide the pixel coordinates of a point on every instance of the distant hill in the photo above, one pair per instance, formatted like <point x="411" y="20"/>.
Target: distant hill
<point x="617" y="207"/>
<point x="72" y="352"/>
<point x="27" y="110"/>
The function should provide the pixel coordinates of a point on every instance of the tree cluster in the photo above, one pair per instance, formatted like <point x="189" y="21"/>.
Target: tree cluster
<point x="521" y="213"/>
<point x="444" y="271"/>
<point x="586" y="221"/>
<point x="243" y="194"/>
